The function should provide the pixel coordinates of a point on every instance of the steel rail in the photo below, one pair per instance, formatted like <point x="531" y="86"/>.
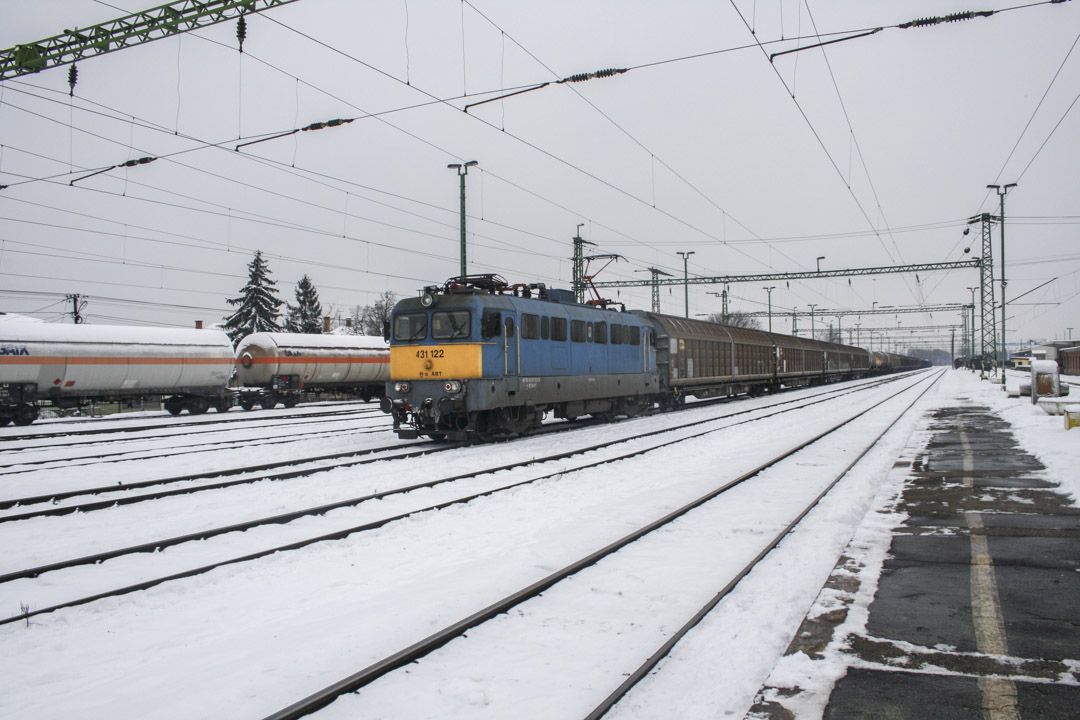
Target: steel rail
<point x="340" y="534"/>
<point x="414" y="652"/>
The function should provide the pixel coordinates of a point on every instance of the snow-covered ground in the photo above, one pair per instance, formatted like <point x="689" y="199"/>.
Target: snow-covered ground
<point x="248" y="639"/>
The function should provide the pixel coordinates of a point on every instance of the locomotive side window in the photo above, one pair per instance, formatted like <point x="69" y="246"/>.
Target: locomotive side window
<point x="530" y="327"/>
<point x="577" y="331"/>
<point x="408" y="328"/>
<point x="558" y="329"/>
<point x="450" y="325"/>
<point x="545" y="325"/>
<point x="600" y="333"/>
<point x="617" y="334"/>
<point x="491" y="324"/>
<point x="635" y="335"/>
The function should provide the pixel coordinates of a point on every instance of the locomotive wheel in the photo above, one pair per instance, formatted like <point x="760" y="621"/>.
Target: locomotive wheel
<point x="437" y="437"/>
<point x="267" y="403"/>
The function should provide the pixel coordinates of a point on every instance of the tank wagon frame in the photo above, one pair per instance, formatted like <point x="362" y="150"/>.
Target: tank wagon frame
<point x="479" y="358"/>
<point x="281" y="368"/>
<point x="70" y="365"/>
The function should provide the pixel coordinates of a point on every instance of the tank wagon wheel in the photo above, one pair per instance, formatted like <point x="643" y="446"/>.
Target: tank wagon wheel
<point x="173" y="408"/>
<point x="5" y="420"/>
<point x="267" y="403"/>
<point x="24" y="415"/>
<point x="290" y="402"/>
<point x="223" y="405"/>
<point x="198" y="406"/>
<point x="246" y="404"/>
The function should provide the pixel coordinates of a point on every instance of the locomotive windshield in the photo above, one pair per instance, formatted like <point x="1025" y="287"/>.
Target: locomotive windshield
<point x="411" y="327"/>
<point x="450" y="325"/>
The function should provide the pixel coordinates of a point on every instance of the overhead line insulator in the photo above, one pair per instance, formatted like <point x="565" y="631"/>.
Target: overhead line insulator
<point x="955" y="17"/>
<point x="582" y="77"/>
<point x="241" y="31"/>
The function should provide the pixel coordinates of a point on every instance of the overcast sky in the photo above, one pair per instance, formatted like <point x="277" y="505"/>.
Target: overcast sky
<point x="870" y="152"/>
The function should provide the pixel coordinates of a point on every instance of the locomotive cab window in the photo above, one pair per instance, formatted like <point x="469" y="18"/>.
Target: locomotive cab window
<point x="600" y="333"/>
<point x="411" y="327"/>
<point x="635" y="335"/>
<point x="617" y="334"/>
<point x="508" y="324"/>
<point x="530" y="327"/>
<point x="450" y="325"/>
<point x="577" y="331"/>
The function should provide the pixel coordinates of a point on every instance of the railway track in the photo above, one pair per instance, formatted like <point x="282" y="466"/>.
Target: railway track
<point x="588" y="459"/>
<point x="119" y="494"/>
<point x="208" y="426"/>
<point x="22" y="465"/>
<point x="477" y="623"/>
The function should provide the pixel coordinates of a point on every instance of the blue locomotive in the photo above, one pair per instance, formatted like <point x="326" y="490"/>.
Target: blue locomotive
<point x="478" y="358"/>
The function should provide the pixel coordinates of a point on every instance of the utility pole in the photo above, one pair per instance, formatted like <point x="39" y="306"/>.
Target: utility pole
<point x="462" y="171"/>
<point x="988" y="321"/>
<point x="686" y="278"/>
<point x="1002" y="191"/>
<point x="579" y="265"/>
<point x="971" y="356"/>
<point x="769" y="291"/>
<point x="656" y="273"/>
<point x="723" y="305"/>
<point x="77" y="305"/>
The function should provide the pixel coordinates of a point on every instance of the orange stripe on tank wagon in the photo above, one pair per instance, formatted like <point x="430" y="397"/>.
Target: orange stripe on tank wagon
<point x="320" y="360"/>
<point x="32" y="360"/>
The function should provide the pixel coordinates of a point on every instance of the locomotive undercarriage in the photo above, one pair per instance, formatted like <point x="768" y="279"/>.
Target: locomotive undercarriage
<point x="488" y="409"/>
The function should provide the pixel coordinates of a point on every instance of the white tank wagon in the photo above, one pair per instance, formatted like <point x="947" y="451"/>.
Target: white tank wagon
<point x="279" y="367"/>
<point x="68" y="365"/>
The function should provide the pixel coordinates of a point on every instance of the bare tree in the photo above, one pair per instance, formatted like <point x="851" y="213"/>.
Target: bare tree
<point x="735" y="320"/>
<point x="373" y="317"/>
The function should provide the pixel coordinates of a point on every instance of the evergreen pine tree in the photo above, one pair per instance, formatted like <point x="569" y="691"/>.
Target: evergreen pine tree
<point x="306" y="315"/>
<point x="257" y="306"/>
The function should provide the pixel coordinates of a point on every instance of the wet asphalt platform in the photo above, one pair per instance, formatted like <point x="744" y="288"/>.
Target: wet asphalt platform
<point x="977" y="610"/>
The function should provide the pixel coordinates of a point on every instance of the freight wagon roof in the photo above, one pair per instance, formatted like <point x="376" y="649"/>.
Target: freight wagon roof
<point x="16" y="332"/>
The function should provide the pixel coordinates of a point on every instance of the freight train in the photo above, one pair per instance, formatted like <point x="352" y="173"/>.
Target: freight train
<point x="69" y="365"/>
<point x="478" y="358"/>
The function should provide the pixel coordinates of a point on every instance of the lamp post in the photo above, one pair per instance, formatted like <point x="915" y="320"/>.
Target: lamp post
<point x="812" y="306"/>
<point x="686" y="278"/>
<point x="462" y="171"/>
<point x="769" y="291"/>
<point x="972" y="353"/>
<point x="1002" y="191"/>
<point x="1070" y="334"/>
<point x="820" y="258"/>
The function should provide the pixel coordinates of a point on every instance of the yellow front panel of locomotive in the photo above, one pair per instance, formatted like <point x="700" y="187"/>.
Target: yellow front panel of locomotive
<point x="435" y="362"/>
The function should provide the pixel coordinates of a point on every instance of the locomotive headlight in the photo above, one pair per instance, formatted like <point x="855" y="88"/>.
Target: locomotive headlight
<point x="427" y="300"/>
<point x="453" y="386"/>
<point x="401" y="386"/>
